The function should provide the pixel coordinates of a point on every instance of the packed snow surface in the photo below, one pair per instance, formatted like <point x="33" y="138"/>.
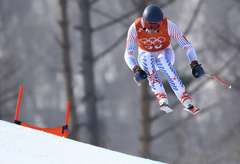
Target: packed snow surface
<point x="23" y="145"/>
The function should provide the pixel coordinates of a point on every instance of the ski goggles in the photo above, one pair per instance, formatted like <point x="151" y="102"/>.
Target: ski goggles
<point x="152" y="25"/>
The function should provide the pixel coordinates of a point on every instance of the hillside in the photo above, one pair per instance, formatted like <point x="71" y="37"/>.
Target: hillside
<point x="26" y="146"/>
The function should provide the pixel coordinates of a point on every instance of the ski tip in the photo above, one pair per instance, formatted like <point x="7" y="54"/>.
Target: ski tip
<point x="230" y="87"/>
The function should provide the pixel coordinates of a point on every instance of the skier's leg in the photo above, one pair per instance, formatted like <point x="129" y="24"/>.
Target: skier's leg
<point x="165" y="64"/>
<point x="147" y="63"/>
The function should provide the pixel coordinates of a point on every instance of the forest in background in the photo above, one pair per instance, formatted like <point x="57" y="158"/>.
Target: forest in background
<point x="73" y="51"/>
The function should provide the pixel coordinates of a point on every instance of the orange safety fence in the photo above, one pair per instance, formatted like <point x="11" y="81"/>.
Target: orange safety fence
<point x="59" y="131"/>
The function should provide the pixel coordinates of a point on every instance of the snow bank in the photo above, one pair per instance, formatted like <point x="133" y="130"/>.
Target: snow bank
<point x="23" y="145"/>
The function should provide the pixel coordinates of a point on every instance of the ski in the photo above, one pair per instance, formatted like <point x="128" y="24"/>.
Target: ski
<point x="192" y="110"/>
<point x="166" y="109"/>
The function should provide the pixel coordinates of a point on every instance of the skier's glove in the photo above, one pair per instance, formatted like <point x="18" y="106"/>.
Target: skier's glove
<point x="197" y="70"/>
<point x="139" y="74"/>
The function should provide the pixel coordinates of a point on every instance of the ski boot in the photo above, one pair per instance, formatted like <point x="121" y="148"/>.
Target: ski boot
<point x="187" y="102"/>
<point x="163" y="102"/>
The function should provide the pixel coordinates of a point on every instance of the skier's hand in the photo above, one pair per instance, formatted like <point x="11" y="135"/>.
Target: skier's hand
<point x="139" y="74"/>
<point x="197" y="70"/>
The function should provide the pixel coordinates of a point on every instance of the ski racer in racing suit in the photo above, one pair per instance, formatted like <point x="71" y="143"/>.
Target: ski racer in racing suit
<point x="152" y="33"/>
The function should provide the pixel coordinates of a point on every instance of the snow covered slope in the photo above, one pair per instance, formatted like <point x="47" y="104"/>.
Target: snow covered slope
<point x="23" y="145"/>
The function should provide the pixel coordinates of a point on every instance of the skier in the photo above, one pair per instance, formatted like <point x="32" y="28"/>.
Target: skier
<point x="152" y="33"/>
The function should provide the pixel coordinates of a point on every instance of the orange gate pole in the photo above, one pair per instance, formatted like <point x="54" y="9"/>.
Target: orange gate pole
<point x="18" y="103"/>
<point x="65" y="127"/>
<point x="67" y="114"/>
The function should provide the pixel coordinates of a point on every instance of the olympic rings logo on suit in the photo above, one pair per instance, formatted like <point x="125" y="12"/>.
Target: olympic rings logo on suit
<point x="153" y="41"/>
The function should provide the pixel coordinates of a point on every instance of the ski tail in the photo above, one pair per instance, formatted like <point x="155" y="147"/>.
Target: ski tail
<point x="165" y="107"/>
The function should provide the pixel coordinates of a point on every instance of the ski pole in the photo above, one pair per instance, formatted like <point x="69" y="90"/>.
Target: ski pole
<point x="139" y="84"/>
<point x="229" y="86"/>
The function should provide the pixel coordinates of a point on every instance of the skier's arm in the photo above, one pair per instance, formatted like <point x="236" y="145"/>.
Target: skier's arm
<point x="139" y="74"/>
<point x="178" y="36"/>
<point x="130" y="47"/>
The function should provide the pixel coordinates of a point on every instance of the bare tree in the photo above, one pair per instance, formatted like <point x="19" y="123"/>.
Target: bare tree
<point x="67" y="71"/>
<point x="8" y="89"/>
<point x="88" y="61"/>
<point x="88" y="73"/>
<point x="8" y="66"/>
